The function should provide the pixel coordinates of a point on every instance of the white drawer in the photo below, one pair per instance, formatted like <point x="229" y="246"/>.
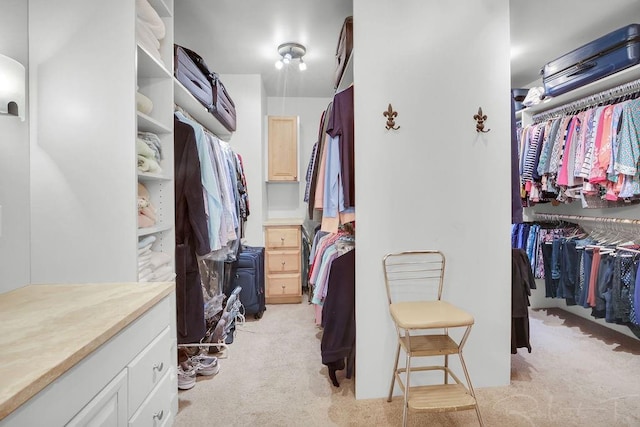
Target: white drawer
<point x="148" y="368"/>
<point x="155" y="411"/>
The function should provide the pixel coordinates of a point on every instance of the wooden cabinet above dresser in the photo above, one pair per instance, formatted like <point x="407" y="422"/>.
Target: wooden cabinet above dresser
<point x="283" y="149"/>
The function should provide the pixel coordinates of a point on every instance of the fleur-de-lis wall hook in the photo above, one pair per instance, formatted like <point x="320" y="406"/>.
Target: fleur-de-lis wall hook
<point x="480" y="119"/>
<point x="391" y="118"/>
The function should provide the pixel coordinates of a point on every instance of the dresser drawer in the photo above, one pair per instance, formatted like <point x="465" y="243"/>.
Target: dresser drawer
<point x="283" y="237"/>
<point x="283" y="285"/>
<point x="148" y="369"/>
<point x="108" y="408"/>
<point x="155" y="411"/>
<point x="283" y="261"/>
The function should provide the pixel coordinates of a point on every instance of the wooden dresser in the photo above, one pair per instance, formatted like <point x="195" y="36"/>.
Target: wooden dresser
<point x="283" y="261"/>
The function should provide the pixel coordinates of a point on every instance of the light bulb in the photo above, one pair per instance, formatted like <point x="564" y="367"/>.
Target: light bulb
<point x="287" y="58"/>
<point x="279" y="64"/>
<point x="302" y="66"/>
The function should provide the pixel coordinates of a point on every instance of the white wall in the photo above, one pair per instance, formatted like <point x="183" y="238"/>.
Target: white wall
<point x="14" y="160"/>
<point x="246" y="90"/>
<point x="82" y="84"/>
<point x="435" y="183"/>
<point x="286" y="199"/>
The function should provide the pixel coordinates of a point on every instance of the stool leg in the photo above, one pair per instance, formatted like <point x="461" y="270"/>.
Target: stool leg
<point x="393" y="375"/>
<point x="446" y="372"/>
<point x="468" y="378"/>
<point x="407" y="385"/>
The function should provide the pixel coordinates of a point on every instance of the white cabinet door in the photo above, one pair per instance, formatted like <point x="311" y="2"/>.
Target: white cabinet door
<point x="108" y="408"/>
<point x="435" y="183"/>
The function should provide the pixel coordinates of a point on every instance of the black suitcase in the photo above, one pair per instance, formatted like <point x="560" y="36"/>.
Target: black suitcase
<point x="604" y="56"/>
<point x="222" y="106"/>
<point x="192" y="78"/>
<point x="250" y="277"/>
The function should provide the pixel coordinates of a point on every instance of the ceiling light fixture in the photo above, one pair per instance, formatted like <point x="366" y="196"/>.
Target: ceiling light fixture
<point x="290" y="51"/>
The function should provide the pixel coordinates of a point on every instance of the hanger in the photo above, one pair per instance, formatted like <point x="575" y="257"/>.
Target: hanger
<point x="626" y="249"/>
<point x="577" y="233"/>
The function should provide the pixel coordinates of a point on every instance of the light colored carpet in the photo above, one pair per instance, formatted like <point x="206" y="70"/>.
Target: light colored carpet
<point x="578" y="374"/>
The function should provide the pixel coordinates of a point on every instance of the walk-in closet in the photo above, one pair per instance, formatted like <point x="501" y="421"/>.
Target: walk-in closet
<point x="196" y="198"/>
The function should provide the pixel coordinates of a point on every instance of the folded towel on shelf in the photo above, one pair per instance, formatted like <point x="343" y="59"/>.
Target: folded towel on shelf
<point x="146" y="13"/>
<point x="143" y="264"/>
<point x="144" y="243"/>
<point x="159" y="259"/>
<point x="146" y="39"/>
<point x="144" y="221"/>
<point x="153" y="141"/>
<point x="148" y="273"/>
<point x="143" y="103"/>
<point x="145" y="34"/>
<point x="162" y="271"/>
<point x="146" y="164"/>
<point x="143" y="149"/>
<point x="146" y="210"/>
<point x="143" y="194"/>
<point x="145" y="275"/>
<point x="145" y="257"/>
<point x="149" y="212"/>
<point x="144" y="250"/>
<point x="169" y="277"/>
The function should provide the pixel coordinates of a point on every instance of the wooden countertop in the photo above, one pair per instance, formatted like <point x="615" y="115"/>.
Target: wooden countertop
<point x="46" y="329"/>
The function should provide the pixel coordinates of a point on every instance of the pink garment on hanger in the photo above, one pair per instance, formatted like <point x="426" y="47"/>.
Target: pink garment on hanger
<point x="603" y="158"/>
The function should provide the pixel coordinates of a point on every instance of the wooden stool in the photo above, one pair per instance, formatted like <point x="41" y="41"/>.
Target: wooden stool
<point x="414" y="281"/>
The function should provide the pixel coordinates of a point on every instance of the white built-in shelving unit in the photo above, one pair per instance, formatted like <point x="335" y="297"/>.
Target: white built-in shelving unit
<point x="85" y="68"/>
<point x="630" y="212"/>
<point x="154" y="80"/>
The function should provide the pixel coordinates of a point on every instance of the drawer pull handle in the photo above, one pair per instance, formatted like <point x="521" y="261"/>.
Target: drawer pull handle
<point x="158" y="415"/>
<point x="283" y="286"/>
<point x="158" y="367"/>
<point x="283" y="263"/>
<point x="282" y="240"/>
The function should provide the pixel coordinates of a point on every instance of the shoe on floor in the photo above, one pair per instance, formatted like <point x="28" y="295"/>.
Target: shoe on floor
<point x="186" y="376"/>
<point x="204" y="365"/>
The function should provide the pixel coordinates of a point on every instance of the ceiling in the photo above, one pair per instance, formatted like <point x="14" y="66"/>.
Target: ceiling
<point x="241" y="36"/>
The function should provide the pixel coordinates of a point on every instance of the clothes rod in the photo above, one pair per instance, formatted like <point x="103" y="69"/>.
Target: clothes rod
<point x="580" y="218"/>
<point x="176" y="107"/>
<point x="589" y="101"/>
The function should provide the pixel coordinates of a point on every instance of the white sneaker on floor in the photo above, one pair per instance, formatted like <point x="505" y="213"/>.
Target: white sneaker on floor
<point x="186" y="376"/>
<point x="205" y="365"/>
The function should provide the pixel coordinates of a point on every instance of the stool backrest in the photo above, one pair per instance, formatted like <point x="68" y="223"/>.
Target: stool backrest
<point x="414" y="275"/>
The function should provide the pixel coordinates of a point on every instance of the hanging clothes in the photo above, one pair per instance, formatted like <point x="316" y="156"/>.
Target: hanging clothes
<point x="516" y="203"/>
<point x="590" y="155"/>
<point x="337" y="346"/>
<point x="314" y="162"/>
<point x="576" y="268"/>
<point x="330" y="187"/>
<point x="341" y="124"/>
<point x="211" y="208"/>
<point x="209" y="181"/>
<point x="522" y="281"/>
<point x="192" y="235"/>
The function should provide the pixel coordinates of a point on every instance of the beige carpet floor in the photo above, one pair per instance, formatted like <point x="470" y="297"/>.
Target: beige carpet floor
<point x="578" y="374"/>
